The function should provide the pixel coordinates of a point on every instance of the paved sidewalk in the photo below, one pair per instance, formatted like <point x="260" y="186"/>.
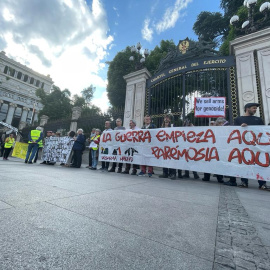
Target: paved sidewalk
<point x="53" y="217"/>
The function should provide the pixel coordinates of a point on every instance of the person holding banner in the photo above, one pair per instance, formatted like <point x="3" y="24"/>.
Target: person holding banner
<point x="132" y="125"/>
<point x="78" y="147"/>
<point x="34" y="137"/>
<point x="147" y="125"/>
<point x="168" y="173"/>
<point x="105" y="165"/>
<point x="8" y="146"/>
<point x="94" y="146"/>
<point x="120" y="165"/>
<point x="92" y="136"/>
<point x="248" y="119"/>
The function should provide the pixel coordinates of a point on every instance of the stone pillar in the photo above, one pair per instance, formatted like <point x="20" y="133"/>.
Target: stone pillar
<point x="76" y="114"/>
<point x="11" y="110"/>
<point x="43" y="120"/>
<point x="251" y="50"/>
<point x="135" y="96"/>
<point x="24" y="114"/>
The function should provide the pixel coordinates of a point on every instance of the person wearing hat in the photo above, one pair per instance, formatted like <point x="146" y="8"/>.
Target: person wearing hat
<point x="248" y="119"/>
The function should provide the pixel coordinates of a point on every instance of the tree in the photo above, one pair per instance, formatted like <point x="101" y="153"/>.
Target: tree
<point x="121" y="66"/>
<point x="210" y="26"/>
<point x="56" y="104"/>
<point x="88" y="93"/>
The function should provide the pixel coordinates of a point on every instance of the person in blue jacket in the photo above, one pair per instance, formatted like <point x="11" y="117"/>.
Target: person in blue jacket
<point x="78" y="148"/>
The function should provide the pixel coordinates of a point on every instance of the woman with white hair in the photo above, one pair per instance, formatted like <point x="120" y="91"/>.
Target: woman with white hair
<point x="78" y="147"/>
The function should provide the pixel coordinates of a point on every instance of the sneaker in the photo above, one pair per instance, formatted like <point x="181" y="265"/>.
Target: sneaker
<point x="163" y="176"/>
<point x="230" y="183"/>
<point x="93" y="168"/>
<point x="25" y="161"/>
<point x="243" y="185"/>
<point x="111" y="170"/>
<point x="125" y="172"/>
<point x="149" y="174"/>
<point x="172" y="176"/>
<point x="141" y="174"/>
<point x="101" y="169"/>
<point x="205" y="179"/>
<point x="30" y="162"/>
<point x="264" y="187"/>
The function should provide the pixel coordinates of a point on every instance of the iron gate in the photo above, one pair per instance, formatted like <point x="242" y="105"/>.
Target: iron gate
<point x="173" y="90"/>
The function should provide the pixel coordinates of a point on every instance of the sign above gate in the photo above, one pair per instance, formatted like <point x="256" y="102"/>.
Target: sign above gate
<point x="198" y="64"/>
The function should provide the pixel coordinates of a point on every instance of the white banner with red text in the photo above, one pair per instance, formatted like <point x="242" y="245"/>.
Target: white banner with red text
<point x="231" y="151"/>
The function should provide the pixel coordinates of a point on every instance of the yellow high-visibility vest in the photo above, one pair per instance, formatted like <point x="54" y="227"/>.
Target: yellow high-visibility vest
<point x="9" y="142"/>
<point x="96" y="137"/>
<point x="35" y="134"/>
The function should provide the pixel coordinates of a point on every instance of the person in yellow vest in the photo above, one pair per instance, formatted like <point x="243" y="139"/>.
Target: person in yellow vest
<point x="8" y="146"/>
<point x="40" y="147"/>
<point x="94" y="146"/>
<point x="34" y="137"/>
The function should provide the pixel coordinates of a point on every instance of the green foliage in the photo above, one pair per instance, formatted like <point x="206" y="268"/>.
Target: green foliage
<point x="158" y="53"/>
<point x="88" y="93"/>
<point x="121" y="66"/>
<point x="210" y="25"/>
<point x="56" y="104"/>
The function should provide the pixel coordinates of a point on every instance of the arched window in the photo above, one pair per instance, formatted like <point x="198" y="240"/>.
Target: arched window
<point x="19" y="75"/>
<point x="25" y="79"/>
<point x="6" y="70"/>
<point x="37" y="83"/>
<point x="31" y="80"/>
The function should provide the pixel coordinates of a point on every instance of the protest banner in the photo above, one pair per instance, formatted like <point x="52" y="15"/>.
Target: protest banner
<point x="232" y="151"/>
<point x="20" y="150"/>
<point x="209" y="107"/>
<point x="57" y="149"/>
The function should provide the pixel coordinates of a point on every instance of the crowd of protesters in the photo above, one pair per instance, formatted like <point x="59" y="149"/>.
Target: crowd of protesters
<point x="35" y="143"/>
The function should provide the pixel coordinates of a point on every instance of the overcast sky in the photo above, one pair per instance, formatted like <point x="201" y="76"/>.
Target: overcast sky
<point x="72" y="39"/>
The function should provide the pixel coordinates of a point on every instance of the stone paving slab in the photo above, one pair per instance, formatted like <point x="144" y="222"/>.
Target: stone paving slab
<point x="174" y="223"/>
<point x="43" y="236"/>
<point x="201" y="199"/>
<point x="65" y="218"/>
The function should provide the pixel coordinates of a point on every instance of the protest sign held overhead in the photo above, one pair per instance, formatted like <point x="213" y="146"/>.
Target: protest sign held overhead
<point x="233" y="151"/>
<point x="209" y="107"/>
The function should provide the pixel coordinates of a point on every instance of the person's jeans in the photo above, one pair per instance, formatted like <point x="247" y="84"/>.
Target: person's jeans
<point x="94" y="158"/>
<point x="32" y="148"/>
<point x="143" y="169"/>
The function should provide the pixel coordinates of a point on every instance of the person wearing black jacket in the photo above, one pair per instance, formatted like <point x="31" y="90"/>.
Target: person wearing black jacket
<point x="78" y="147"/>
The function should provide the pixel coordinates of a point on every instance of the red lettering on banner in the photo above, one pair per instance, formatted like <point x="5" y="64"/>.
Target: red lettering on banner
<point x="253" y="141"/>
<point x="235" y="153"/>
<point x="191" y="137"/>
<point x="174" y="153"/>
<point x="128" y="159"/>
<point x="257" y="159"/>
<point x="237" y="137"/>
<point x="258" y="141"/>
<point x="133" y="136"/>
<point x="106" y="137"/>
<point x="254" y="158"/>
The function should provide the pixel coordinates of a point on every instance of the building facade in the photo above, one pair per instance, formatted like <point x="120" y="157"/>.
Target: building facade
<point x="19" y="104"/>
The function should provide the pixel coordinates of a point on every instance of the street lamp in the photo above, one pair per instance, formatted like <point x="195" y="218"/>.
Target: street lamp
<point x="250" y="26"/>
<point x="137" y="49"/>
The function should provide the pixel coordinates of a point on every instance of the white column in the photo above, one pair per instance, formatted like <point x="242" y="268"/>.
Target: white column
<point x="245" y="48"/>
<point x="11" y="110"/>
<point x="135" y="96"/>
<point x="24" y="114"/>
<point x="264" y="67"/>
